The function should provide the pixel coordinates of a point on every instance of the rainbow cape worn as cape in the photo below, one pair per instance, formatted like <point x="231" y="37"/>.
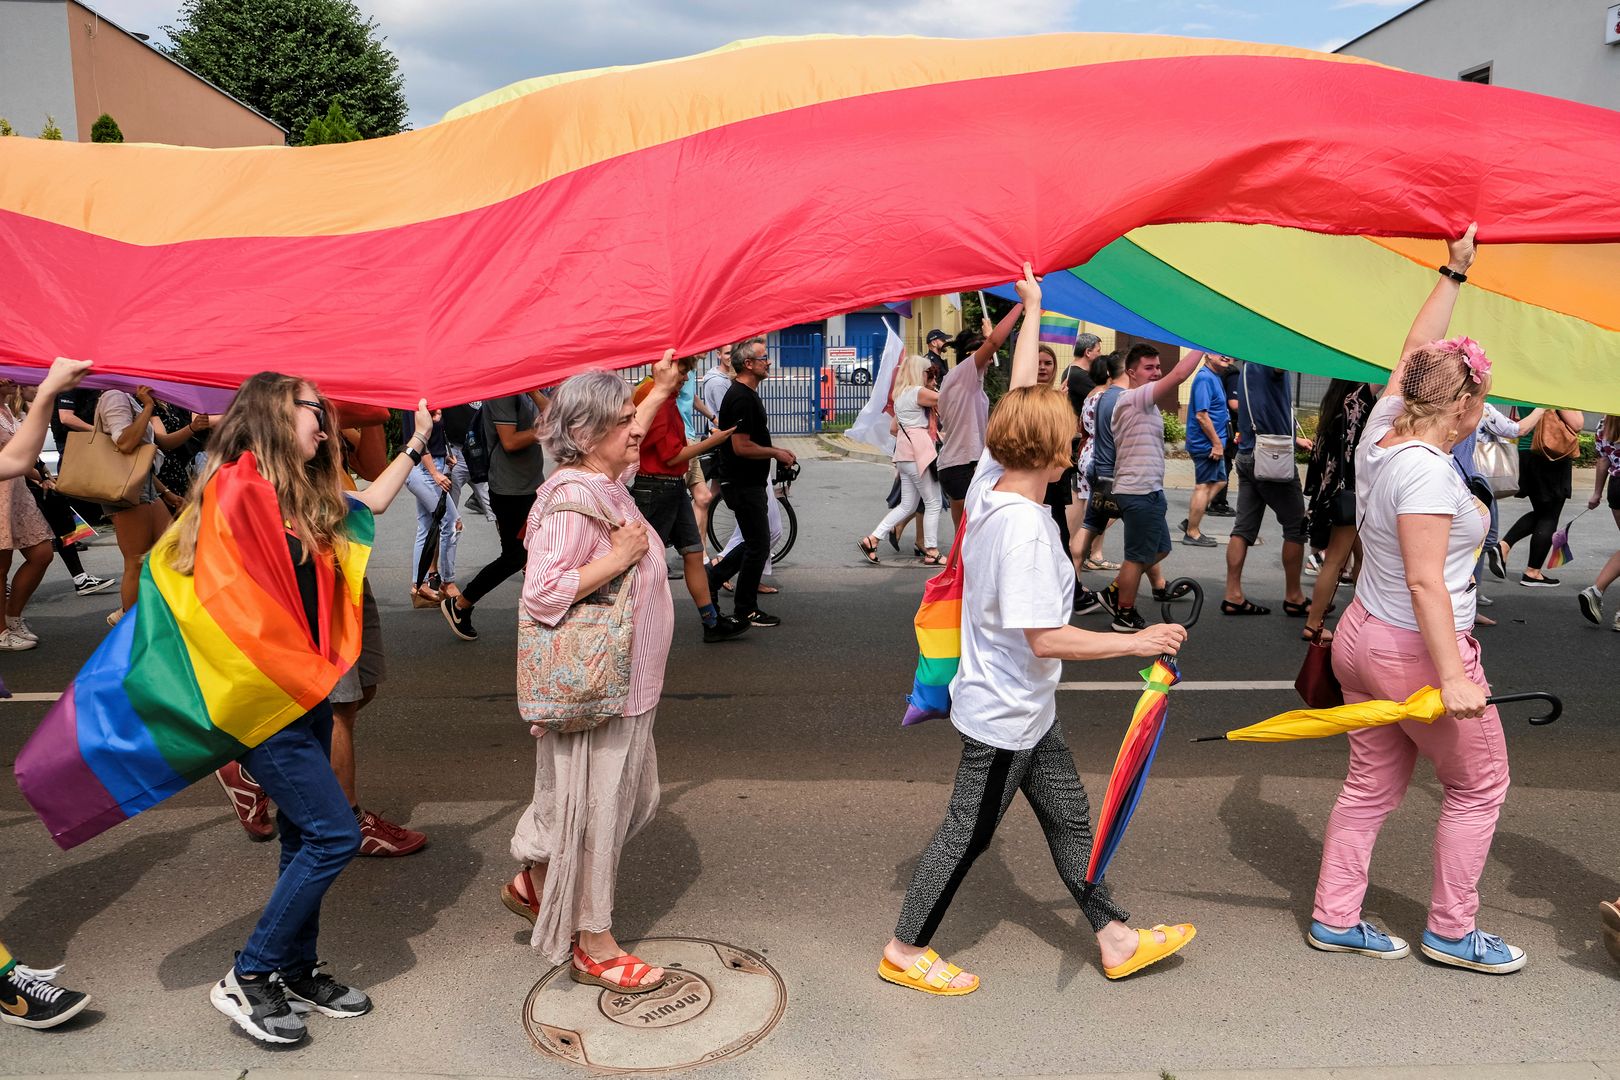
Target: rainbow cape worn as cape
<point x="202" y="668"/>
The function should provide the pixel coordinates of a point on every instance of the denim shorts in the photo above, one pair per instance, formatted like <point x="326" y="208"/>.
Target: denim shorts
<point x="1209" y="472"/>
<point x="1147" y="530"/>
<point x="664" y="502"/>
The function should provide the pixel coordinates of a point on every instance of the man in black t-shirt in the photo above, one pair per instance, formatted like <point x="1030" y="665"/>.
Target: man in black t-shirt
<point x="745" y="473"/>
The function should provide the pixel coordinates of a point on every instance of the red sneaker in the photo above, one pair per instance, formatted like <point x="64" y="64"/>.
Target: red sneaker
<point x="249" y="801"/>
<point x="383" y="838"/>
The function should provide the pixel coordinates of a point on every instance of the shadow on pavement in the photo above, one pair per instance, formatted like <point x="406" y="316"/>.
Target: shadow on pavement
<point x="54" y="907"/>
<point x="369" y="917"/>
<point x="1542" y="872"/>
<point x="1270" y="838"/>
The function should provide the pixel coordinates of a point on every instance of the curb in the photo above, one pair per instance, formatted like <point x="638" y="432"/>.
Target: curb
<point x="848" y="448"/>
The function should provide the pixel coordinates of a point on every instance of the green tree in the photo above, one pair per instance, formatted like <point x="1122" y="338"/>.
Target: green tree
<point x="334" y="128"/>
<point x="291" y="59"/>
<point x="106" y="129"/>
<point x="50" y="130"/>
<point x="6" y="128"/>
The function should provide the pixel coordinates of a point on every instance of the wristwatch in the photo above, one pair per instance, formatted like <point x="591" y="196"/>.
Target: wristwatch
<point x="414" y="454"/>
<point x="1454" y="275"/>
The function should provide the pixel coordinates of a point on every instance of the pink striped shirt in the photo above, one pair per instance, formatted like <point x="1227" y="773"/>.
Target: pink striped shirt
<point x="559" y="544"/>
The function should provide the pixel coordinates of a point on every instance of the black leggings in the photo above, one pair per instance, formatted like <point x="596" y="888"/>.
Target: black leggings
<point x="1539" y="524"/>
<point x="511" y="515"/>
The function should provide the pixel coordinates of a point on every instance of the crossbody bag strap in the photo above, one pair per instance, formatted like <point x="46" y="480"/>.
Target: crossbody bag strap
<point x="569" y="506"/>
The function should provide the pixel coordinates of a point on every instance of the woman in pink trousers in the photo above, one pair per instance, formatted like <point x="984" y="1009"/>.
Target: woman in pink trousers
<point x="1410" y="626"/>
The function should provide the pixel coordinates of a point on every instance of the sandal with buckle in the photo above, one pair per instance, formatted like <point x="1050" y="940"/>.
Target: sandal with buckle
<point x="932" y="557"/>
<point x="929" y="974"/>
<point x="868" y="548"/>
<point x="1316" y="635"/>
<point x="1300" y="611"/>
<point x="589" y="972"/>
<point x="1150" y="950"/>
<point x="1245" y="608"/>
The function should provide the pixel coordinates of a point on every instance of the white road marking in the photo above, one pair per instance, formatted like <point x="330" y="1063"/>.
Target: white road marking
<point x="1274" y="684"/>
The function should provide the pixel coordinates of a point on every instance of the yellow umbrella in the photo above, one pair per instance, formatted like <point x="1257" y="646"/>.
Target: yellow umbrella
<point x="1425" y="705"/>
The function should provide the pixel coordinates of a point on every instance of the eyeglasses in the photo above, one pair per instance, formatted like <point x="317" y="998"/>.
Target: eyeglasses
<point x="316" y="407"/>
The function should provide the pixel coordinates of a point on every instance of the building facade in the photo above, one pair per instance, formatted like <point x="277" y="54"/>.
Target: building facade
<point x="63" y="60"/>
<point x="1562" y="48"/>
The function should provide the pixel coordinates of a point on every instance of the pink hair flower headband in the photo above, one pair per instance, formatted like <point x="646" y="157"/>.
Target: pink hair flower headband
<point x="1473" y="354"/>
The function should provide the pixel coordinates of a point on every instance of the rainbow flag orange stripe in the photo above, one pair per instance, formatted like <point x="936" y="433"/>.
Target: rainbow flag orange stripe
<point x="202" y="668"/>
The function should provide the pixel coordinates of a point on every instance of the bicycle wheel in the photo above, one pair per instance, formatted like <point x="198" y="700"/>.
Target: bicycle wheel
<point x="790" y="530"/>
<point x="722" y="521"/>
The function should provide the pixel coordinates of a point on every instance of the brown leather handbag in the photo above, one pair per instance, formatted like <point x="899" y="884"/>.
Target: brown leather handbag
<point x="94" y="468"/>
<point x="1554" y="439"/>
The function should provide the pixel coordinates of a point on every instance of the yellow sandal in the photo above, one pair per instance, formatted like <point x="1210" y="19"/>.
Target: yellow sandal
<point x="927" y="976"/>
<point x="1150" y="950"/>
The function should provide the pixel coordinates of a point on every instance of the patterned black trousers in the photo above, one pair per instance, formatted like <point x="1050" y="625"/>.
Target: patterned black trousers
<point x="986" y="781"/>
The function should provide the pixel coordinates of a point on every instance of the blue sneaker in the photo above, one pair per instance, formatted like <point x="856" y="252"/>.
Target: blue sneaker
<point x="1478" y="951"/>
<point x="1364" y="939"/>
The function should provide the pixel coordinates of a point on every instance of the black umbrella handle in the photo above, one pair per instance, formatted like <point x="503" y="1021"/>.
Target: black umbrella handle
<point x="1179" y="588"/>
<point x="1554" y="713"/>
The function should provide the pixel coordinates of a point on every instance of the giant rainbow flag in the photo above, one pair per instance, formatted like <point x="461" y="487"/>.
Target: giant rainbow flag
<point x="603" y="216"/>
<point x="201" y="669"/>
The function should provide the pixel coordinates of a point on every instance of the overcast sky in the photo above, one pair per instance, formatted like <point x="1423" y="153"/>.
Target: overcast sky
<point x="453" y="52"/>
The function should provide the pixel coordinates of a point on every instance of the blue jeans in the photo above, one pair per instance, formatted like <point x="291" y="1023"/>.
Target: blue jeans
<point x="318" y="838"/>
<point x="428" y="495"/>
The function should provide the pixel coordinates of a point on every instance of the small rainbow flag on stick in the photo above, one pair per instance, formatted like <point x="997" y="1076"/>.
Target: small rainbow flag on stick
<point x="81" y="531"/>
<point x="1561" y="553"/>
<point x="202" y="668"/>
<point x="1059" y="329"/>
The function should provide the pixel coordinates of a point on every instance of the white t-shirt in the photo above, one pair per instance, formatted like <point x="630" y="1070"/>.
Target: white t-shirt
<point x="1015" y="576"/>
<point x="1138" y="430"/>
<point x="964" y="413"/>
<point x="1411" y="478"/>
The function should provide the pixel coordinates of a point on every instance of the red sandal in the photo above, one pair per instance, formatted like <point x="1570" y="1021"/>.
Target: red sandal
<point x="518" y="896"/>
<point x="588" y="971"/>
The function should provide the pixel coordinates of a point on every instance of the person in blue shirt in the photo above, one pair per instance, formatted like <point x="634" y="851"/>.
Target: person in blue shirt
<point x="1207" y="423"/>
<point x="1266" y="407"/>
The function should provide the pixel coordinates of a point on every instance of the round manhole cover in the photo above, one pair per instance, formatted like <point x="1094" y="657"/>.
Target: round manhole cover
<point x="719" y="1001"/>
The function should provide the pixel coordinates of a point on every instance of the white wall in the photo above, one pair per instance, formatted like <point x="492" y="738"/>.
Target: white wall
<point x="36" y="66"/>
<point x="1553" y="47"/>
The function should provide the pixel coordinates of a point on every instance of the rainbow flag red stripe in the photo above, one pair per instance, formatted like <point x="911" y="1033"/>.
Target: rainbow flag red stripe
<point x="202" y="668"/>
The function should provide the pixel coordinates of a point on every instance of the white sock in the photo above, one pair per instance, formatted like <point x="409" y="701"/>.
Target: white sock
<point x="79" y="579"/>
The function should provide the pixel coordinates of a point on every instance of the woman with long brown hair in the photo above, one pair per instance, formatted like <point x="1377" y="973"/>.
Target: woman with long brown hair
<point x="289" y="430"/>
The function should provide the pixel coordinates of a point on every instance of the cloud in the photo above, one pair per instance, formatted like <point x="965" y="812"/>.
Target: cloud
<point x="1373" y="3"/>
<point x="1329" y="44"/>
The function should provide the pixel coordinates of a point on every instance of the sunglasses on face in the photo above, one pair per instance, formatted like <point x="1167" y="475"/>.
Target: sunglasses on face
<point x="316" y="407"/>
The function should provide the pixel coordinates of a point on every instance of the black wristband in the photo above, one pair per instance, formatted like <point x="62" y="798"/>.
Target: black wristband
<point x="1448" y="272"/>
<point x="414" y="454"/>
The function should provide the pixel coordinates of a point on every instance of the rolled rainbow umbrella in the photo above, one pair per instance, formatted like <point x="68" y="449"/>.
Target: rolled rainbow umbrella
<point x="705" y="197"/>
<point x="1423" y="706"/>
<point x="1131" y="765"/>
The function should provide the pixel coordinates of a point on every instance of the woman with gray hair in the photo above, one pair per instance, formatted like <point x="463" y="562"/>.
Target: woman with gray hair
<point x="595" y="789"/>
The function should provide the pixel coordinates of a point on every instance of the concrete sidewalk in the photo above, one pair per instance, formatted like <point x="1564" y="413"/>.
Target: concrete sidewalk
<point x="1563" y="1070"/>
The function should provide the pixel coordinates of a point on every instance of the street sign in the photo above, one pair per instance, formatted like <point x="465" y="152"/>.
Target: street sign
<point x="1611" y="25"/>
<point x="842" y="354"/>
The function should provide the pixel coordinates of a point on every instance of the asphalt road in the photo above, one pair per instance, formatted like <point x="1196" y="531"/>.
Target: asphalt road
<point x="794" y="808"/>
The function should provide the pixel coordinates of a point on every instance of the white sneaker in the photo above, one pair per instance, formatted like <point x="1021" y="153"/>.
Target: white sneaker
<point x="11" y="642"/>
<point x="114" y="616"/>
<point x="1592" y="605"/>
<point x="1313" y="564"/>
<point x="1484" y="601"/>
<point x="20" y="627"/>
<point x="1616" y="625"/>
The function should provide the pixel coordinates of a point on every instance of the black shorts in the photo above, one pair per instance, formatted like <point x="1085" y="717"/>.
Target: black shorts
<point x="710" y="464"/>
<point x="1283" y="497"/>
<point x="956" y="479"/>
<point x="664" y="502"/>
<point x="1614" y="491"/>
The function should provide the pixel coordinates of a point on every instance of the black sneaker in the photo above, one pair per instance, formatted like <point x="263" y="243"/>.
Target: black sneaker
<point x="35" y="999"/>
<point x="93" y="584"/>
<point x="1220" y="510"/>
<point x="1542" y="582"/>
<point x="724" y="629"/>
<point x="319" y="991"/>
<point x="760" y="618"/>
<point x="1127" y="621"/>
<point x="1085" y="601"/>
<point x="259" y="1007"/>
<point x="1109" y="597"/>
<point x="459" y="618"/>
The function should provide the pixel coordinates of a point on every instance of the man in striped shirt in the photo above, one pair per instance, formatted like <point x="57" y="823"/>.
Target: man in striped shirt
<point x="1139" y="474"/>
